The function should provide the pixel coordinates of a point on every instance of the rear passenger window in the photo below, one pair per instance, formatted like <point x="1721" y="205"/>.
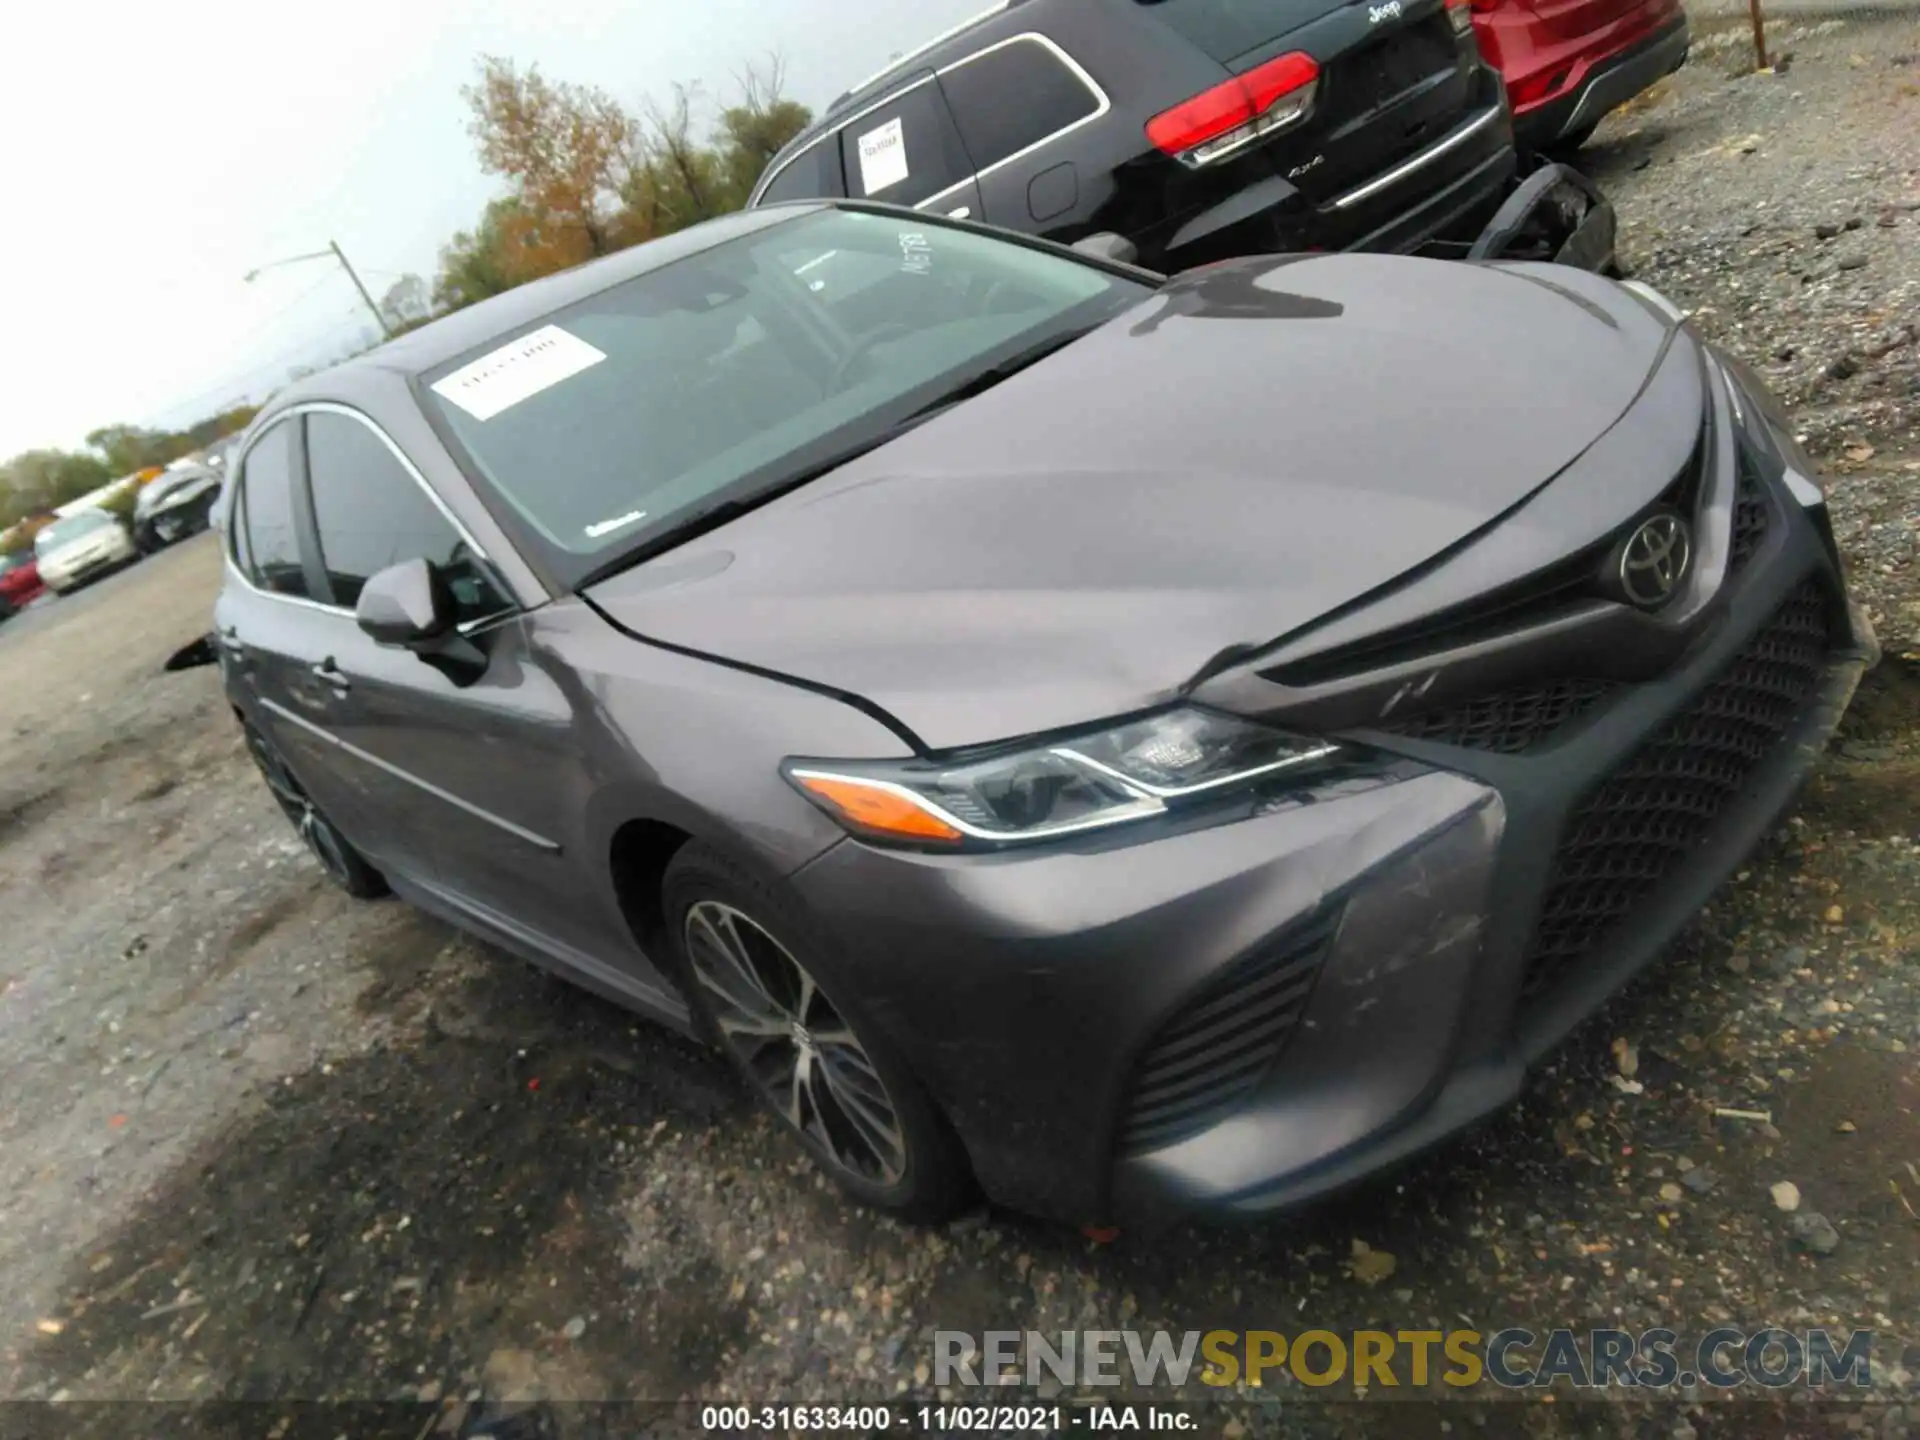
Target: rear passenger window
<point x="906" y="150"/>
<point x="371" y="513"/>
<point x="1013" y="96"/>
<point x="269" y="540"/>
<point x="813" y="174"/>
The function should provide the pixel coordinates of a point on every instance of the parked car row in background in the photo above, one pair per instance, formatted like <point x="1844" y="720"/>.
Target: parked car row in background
<point x="98" y="533"/>
<point x="82" y="546"/>
<point x="175" y="505"/>
<point x="20" y="583"/>
<point x="1180" y="132"/>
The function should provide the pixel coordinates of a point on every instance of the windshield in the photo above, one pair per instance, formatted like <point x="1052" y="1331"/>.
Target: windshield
<point x="719" y="375"/>
<point x="66" y="531"/>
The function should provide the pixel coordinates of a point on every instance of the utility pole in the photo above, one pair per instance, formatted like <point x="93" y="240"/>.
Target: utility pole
<point x="334" y="251"/>
<point x="378" y="318"/>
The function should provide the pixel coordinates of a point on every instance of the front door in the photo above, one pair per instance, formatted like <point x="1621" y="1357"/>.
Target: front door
<point x="473" y="758"/>
<point x="274" y="637"/>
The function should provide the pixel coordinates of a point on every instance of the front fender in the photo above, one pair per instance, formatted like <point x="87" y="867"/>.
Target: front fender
<point x="681" y="740"/>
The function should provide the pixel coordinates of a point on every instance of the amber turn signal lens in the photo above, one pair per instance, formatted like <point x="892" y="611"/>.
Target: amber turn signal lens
<point x="876" y="808"/>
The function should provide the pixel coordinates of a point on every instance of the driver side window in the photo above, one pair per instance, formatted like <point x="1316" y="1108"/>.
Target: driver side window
<point x="370" y="513"/>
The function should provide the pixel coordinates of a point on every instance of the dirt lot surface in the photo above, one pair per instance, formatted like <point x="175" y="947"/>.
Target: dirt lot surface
<point x="260" y="1141"/>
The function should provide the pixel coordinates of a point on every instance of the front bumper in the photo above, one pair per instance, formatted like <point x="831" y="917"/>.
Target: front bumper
<point x="70" y="577"/>
<point x="1247" y="1012"/>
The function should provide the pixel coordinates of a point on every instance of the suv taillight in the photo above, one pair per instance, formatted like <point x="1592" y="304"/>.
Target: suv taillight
<point x="1217" y="122"/>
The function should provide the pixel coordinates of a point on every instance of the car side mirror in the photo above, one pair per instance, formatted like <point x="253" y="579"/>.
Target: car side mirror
<point x="1108" y="246"/>
<point x="407" y="604"/>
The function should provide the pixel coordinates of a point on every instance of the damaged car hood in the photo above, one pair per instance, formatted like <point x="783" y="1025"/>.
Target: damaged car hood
<point x="1256" y="445"/>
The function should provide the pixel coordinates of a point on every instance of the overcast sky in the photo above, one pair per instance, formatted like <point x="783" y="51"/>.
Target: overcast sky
<point x="158" y="153"/>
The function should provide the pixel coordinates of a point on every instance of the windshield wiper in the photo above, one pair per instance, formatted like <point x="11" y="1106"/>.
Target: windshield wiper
<point x="983" y="380"/>
<point x="697" y="522"/>
<point x="711" y="517"/>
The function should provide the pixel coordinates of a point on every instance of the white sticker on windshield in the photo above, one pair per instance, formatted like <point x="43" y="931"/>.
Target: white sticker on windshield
<point x="503" y="378"/>
<point x="883" y="157"/>
<point x="619" y="522"/>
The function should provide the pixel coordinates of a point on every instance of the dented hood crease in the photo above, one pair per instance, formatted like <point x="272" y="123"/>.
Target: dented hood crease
<point x="1252" y="447"/>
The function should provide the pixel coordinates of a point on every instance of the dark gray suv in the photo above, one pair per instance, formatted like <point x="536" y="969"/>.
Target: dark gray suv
<point x="1122" y="744"/>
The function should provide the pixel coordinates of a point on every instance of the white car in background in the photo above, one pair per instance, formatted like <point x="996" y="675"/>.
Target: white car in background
<point x="82" y="546"/>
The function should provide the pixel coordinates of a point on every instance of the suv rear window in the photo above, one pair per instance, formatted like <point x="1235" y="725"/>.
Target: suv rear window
<point x="813" y="174"/>
<point x="1226" y="29"/>
<point x="1013" y="96"/>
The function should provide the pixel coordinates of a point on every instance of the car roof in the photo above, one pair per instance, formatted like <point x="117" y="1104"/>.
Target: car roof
<point x="441" y="340"/>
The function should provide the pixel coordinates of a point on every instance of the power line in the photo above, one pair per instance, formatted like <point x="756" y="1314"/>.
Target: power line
<point x="242" y="383"/>
<point x="240" y="379"/>
<point x="292" y="304"/>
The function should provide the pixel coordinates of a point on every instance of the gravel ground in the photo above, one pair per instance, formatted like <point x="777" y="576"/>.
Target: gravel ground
<point x="258" y="1141"/>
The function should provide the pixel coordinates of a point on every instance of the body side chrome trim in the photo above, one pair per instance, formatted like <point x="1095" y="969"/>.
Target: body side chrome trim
<point x="334" y="407"/>
<point x="834" y="134"/>
<point x="1103" y="105"/>
<point x="901" y="62"/>
<point x="1418" y="162"/>
<point x="322" y="733"/>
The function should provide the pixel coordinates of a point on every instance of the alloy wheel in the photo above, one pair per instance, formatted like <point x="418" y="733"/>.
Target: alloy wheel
<point x="796" y="1045"/>
<point x="313" y="827"/>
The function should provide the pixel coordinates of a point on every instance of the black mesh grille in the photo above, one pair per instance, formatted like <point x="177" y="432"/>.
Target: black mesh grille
<point x="1506" y="721"/>
<point x="1216" y="1047"/>
<point x="1750" y="517"/>
<point x="1642" y="821"/>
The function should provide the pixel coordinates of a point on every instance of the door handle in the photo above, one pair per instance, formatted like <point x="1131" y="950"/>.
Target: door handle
<point x="327" y="671"/>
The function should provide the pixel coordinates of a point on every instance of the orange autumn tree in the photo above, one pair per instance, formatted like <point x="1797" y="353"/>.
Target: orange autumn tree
<point x="568" y="152"/>
<point x="586" y="177"/>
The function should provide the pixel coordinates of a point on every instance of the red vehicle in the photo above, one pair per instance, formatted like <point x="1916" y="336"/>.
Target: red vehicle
<point x="19" y="582"/>
<point x="1566" y="63"/>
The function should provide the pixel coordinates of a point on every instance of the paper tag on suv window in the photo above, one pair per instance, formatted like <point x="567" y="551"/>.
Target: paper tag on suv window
<point x="883" y="157"/>
<point x="503" y="378"/>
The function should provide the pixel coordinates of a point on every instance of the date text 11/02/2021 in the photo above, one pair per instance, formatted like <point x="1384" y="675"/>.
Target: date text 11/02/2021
<point x="940" y="1419"/>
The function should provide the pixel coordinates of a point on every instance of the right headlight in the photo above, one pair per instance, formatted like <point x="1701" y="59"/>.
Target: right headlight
<point x="1093" y="779"/>
<point x="1762" y="418"/>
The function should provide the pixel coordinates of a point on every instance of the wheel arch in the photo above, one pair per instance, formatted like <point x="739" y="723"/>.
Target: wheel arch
<point x="638" y="853"/>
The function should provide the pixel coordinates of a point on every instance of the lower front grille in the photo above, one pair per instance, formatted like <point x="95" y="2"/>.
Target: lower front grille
<point x="1507" y="721"/>
<point x="1639" y="826"/>
<point x="1750" y="517"/>
<point x="1213" y="1050"/>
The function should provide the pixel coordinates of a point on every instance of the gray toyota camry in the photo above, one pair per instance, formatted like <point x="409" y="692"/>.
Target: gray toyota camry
<point x="1117" y="744"/>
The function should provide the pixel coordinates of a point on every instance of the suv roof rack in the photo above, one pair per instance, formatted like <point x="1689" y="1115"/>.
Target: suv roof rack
<point x="900" y="61"/>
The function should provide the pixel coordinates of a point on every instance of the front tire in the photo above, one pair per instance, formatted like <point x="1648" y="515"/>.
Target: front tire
<point x="752" y="967"/>
<point x="344" y="865"/>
